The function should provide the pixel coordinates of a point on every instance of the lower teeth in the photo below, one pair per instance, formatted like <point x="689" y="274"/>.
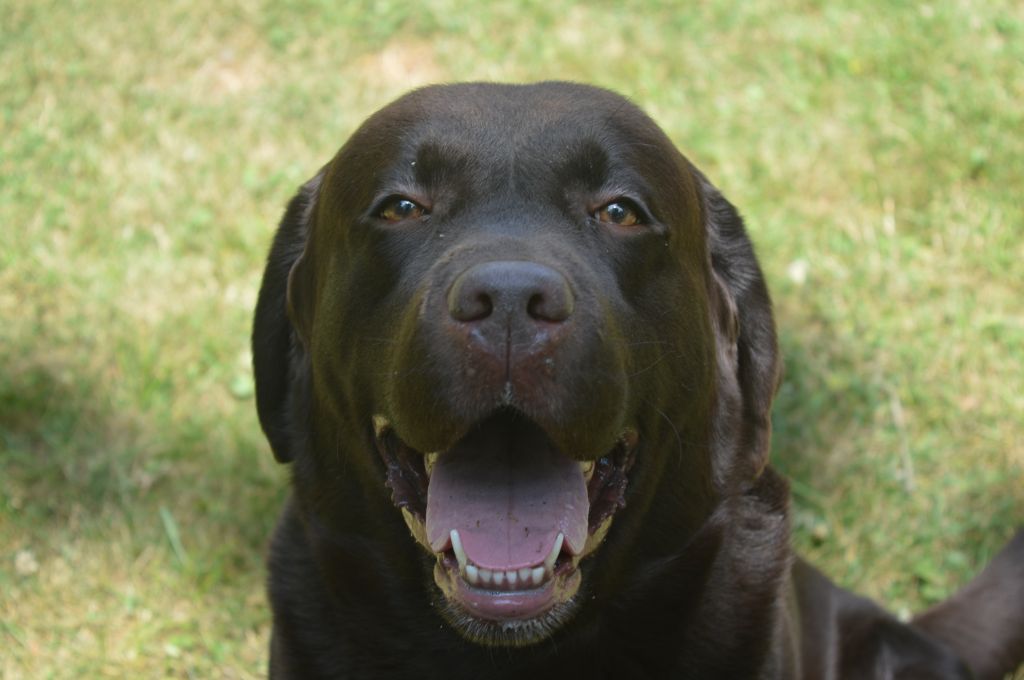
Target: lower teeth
<point x="513" y="579"/>
<point x="519" y="579"/>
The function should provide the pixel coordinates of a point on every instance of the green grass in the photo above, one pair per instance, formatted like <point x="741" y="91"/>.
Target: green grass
<point x="146" y="152"/>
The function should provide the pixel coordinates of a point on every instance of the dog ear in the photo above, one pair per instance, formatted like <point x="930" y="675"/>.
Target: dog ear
<point x="277" y="349"/>
<point x="745" y="323"/>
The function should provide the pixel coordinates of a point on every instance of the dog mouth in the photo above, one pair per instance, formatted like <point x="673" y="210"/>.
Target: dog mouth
<point x="508" y="518"/>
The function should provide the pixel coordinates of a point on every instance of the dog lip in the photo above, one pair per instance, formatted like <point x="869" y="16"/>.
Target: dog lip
<point x="405" y="472"/>
<point x="501" y="605"/>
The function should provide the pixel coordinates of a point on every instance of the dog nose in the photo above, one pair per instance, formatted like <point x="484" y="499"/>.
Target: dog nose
<point x="519" y="291"/>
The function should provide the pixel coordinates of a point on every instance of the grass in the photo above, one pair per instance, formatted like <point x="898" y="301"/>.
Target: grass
<point x="147" y="151"/>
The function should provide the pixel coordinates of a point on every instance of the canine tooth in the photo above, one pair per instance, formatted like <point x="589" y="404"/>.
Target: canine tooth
<point x="429" y="460"/>
<point x="537" y="574"/>
<point x="511" y="577"/>
<point x="524" y="575"/>
<point x="460" y="554"/>
<point x="472" y="574"/>
<point x="485" y="575"/>
<point x="499" y="577"/>
<point x="380" y="423"/>
<point x="549" y="561"/>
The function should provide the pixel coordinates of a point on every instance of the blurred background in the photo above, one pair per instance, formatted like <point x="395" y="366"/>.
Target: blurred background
<point x="148" y="149"/>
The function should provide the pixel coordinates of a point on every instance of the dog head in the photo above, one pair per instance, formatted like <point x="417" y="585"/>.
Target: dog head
<point x="518" y="318"/>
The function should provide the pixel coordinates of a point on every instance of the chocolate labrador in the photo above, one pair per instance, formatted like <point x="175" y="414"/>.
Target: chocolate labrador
<point x="521" y="357"/>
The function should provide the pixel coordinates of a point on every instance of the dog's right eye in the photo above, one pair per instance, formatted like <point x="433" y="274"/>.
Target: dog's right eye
<point x="621" y="212"/>
<point x="399" y="209"/>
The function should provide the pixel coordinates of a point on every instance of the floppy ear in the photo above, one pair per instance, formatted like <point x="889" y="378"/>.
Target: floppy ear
<point x="745" y="323"/>
<point x="277" y="351"/>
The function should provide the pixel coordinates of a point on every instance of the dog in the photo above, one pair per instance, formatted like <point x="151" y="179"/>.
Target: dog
<point x="520" y="356"/>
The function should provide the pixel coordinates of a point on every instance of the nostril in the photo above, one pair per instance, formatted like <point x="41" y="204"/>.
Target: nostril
<point x="555" y="305"/>
<point x="470" y="307"/>
<point x="535" y="307"/>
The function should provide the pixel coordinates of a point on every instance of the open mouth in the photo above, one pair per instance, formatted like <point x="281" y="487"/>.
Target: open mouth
<point x="508" y="518"/>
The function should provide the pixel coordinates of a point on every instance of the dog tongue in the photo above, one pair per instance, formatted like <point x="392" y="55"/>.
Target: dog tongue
<point x="509" y="493"/>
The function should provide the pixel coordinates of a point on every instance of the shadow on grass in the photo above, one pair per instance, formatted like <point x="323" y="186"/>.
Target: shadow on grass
<point x="808" y="412"/>
<point x="833" y="419"/>
<point x="76" y="466"/>
<point x="859" y="508"/>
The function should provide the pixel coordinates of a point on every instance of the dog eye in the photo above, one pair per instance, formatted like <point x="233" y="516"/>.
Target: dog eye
<point x="619" y="212"/>
<point x="398" y="209"/>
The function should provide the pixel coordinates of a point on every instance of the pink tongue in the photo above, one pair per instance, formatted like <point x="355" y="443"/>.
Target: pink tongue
<point x="509" y="494"/>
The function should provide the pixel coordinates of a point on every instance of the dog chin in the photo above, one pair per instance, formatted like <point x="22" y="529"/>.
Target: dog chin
<point x="510" y="633"/>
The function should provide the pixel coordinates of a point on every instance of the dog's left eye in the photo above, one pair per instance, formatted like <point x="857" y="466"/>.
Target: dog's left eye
<point x="620" y="212"/>
<point x="398" y="209"/>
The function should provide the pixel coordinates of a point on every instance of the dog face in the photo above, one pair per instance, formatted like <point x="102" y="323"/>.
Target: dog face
<point x="517" y="318"/>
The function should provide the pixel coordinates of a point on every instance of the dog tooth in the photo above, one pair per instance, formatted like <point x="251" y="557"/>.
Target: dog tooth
<point x="499" y="577"/>
<point x="587" y="466"/>
<point x="429" y="460"/>
<point x="472" y="574"/>
<point x="460" y="554"/>
<point x="511" y="576"/>
<point x="537" y="574"/>
<point x="524" y="575"/>
<point x="485" y="575"/>
<point x="549" y="561"/>
<point x="380" y="423"/>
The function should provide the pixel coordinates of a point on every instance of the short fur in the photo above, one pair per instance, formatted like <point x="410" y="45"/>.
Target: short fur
<point x="672" y="335"/>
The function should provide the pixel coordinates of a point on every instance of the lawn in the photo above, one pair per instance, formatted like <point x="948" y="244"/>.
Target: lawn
<point x="147" y="150"/>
